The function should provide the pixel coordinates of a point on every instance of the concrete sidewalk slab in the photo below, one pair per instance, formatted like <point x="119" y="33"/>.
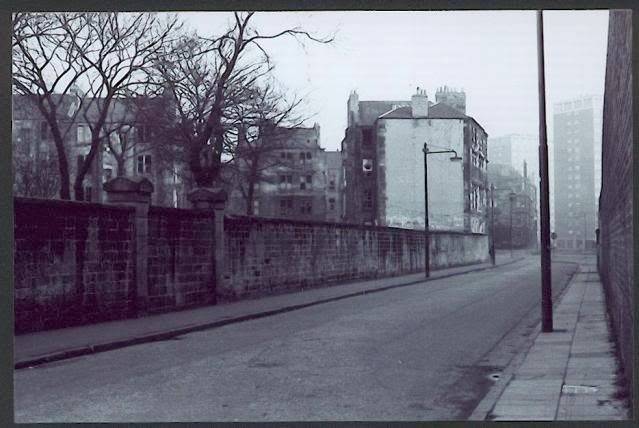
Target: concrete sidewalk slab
<point x="569" y="374"/>
<point x="46" y="346"/>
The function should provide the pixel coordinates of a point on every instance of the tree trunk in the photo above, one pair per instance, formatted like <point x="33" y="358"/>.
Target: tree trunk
<point x="63" y="166"/>
<point x="121" y="172"/>
<point x="249" y="197"/>
<point x="78" y="190"/>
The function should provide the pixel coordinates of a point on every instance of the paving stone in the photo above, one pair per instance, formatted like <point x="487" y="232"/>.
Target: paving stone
<point x="528" y="409"/>
<point x="523" y="418"/>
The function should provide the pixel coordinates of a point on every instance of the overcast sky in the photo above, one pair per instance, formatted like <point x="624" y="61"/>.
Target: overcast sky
<point x="385" y="55"/>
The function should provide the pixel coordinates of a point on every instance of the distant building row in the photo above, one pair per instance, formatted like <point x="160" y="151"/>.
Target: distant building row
<point x="377" y="178"/>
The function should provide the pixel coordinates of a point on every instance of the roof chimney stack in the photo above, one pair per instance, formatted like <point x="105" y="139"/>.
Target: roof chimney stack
<point x="419" y="103"/>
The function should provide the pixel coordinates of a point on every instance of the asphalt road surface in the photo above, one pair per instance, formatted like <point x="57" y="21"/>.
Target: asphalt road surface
<point x="420" y="352"/>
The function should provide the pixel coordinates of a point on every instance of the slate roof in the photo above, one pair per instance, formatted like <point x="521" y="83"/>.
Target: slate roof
<point x="369" y="111"/>
<point x="435" y="111"/>
<point x="24" y="107"/>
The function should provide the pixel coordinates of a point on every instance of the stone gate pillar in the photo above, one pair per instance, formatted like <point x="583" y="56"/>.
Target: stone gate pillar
<point x="213" y="200"/>
<point x="135" y="192"/>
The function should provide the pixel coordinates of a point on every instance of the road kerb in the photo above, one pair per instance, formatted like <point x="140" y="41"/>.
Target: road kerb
<point x="155" y="337"/>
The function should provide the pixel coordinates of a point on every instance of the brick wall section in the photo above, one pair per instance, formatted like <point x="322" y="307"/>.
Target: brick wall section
<point x="73" y="263"/>
<point x="266" y="256"/>
<point x="615" y="203"/>
<point x="180" y="263"/>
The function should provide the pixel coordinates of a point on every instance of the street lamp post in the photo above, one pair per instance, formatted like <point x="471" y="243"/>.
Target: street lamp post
<point x="426" y="223"/>
<point x="492" y="224"/>
<point x="511" y="197"/>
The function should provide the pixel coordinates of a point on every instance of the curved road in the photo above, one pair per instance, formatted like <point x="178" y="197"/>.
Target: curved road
<point x="420" y="352"/>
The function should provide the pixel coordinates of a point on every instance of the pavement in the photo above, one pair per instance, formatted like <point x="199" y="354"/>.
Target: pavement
<point x="46" y="346"/>
<point x="567" y="374"/>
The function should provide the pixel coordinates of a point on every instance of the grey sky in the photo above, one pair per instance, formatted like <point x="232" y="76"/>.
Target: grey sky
<point x="385" y="55"/>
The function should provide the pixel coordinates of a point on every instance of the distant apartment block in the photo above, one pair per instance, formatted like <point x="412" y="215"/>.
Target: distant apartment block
<point x="577" y="170"/>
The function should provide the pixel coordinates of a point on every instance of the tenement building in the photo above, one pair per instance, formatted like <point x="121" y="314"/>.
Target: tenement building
<point x="384" y="163"/>
<point x="514" y="206"/>
<point x="577" y="171"/>
<point x="297" y="180"/>
<point x="127" y="148"/>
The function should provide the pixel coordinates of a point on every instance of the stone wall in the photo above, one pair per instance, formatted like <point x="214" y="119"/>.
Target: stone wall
<point x="180" y="258"/>
<point x="615" y="203"/>
<point x="78" y="263"/>
<point x="73" y="263"/>
<point x="266" y="256"/>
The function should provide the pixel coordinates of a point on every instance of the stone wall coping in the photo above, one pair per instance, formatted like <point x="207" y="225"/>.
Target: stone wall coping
<point x="155" y="209"/>
<point x="256" y="219"/>
<point x="141" y="185"/>
<point x="76" y="205"/>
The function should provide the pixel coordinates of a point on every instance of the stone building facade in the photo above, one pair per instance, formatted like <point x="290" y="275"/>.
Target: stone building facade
<point x="384" y="163"/>
<point x="301" y="181"/>
<point x="506" y="181"/>
<point x="31" y="135"/>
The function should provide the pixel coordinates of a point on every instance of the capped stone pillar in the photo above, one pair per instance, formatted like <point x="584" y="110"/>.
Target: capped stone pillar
<point x="135" y="192"/>
<point x="213" y="200"/>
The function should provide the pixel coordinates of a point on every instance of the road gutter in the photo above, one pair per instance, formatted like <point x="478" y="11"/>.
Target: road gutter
<point x="155" y="337"/>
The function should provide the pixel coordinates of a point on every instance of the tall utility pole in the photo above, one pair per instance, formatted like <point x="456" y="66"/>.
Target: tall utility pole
<point x="544" y="193"/>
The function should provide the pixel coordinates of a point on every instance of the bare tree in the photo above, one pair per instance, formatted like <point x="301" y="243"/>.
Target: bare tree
<point x="34" y="173"/>
<point x="104" y="53"/>
<point x="262" y="124"/>
<point x="120" y="48"/>
<point x="207" y="77"/>
<point x="45" y="73"/>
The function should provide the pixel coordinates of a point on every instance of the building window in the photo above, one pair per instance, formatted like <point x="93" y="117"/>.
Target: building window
<point x="368" y="199"/>
<point x="309" y="179"/>
<point x="367" y="136"/>
<point x="84" y="134"/>
<point x="308" y="155"/>
<point x="44" y="130"/>
<point x="331" y="204"/>
<point x="367" y="166"/>
<point x="289" y="155"/>
<point x="286" y="181"/>
<point x="306" y="207"/>
<point x="144" y="164"/>
<point x="283" y="155"/>
<point x="286" y="205"/>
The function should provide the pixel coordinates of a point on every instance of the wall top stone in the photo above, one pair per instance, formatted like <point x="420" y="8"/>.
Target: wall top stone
<point x="140" y="185"/>
<point x="207" y="197"/>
